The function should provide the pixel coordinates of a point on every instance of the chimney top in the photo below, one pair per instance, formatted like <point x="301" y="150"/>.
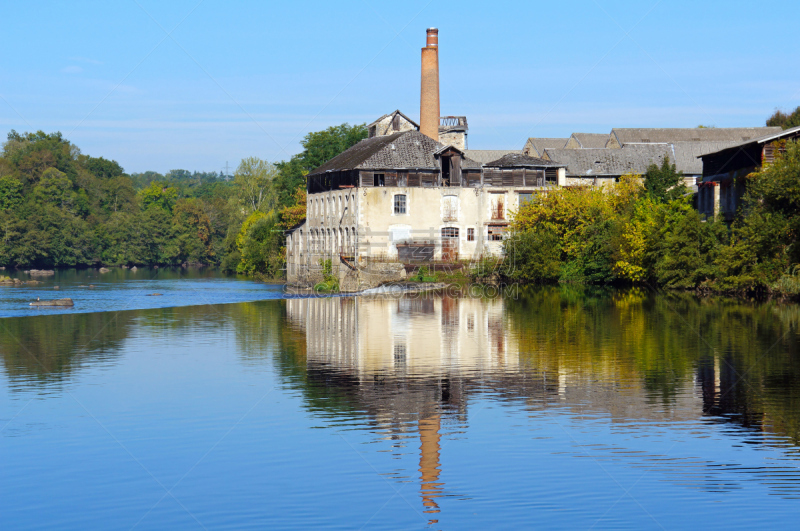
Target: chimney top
<point x="433" y="38"/>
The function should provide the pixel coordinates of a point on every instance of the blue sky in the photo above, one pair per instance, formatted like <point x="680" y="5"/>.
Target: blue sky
<point x="195" y="84"/>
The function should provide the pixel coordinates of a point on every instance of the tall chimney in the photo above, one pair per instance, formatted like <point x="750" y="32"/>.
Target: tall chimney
<point x="429" y="95"/>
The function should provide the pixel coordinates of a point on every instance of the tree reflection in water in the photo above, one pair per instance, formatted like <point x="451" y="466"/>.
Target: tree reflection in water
<point x="412" y="368"/>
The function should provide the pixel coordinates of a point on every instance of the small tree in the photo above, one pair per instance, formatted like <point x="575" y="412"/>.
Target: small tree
<point x="664" y="183"/>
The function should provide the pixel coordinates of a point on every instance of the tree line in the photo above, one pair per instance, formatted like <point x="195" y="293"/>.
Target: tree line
<point x="61" y="208"/>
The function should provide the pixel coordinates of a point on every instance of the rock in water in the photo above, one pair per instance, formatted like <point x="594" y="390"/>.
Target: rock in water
<point x="41" y="272"/>
<point x="57" y="302"/>
<point x="104" y="270"/>
<point x="154" y="294"/>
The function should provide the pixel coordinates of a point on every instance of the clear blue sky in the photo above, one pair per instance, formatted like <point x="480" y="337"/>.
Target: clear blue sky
<point x="237" y="79"/>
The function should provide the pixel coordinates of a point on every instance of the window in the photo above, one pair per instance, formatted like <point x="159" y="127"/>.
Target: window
<point x="551" y="176"/>
<point x="400" y="204"/>
<point x="450" y="232"/>
<point x="379" y="180"/>
<point x="470" y="234"/>
<point x="525" y="197"/>
<point x="496" y="233"/>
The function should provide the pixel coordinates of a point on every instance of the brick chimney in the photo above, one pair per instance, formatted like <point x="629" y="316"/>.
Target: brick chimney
<point x="429" y="95"/>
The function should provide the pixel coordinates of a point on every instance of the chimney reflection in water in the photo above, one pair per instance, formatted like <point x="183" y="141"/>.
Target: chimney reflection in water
<point x="405" y="362"/>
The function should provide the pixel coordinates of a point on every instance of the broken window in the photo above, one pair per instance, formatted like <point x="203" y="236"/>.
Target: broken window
<point x="498" y="206"/>
<point x="470" y="234"/>
<point x="450" y="208"/>
<point x="379" y="180"/>
<point x="400" y="204"/>
<point x="496" y="233"/>
<point x="449" y="232"/>
<point x="551" y="176"/>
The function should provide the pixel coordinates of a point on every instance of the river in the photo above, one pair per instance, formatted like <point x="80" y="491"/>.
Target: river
<point x="557" y="407"/>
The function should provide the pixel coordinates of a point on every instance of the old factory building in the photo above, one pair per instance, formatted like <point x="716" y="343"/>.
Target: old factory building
<point x="415" y="193"/>
<point x="410" y="193"/>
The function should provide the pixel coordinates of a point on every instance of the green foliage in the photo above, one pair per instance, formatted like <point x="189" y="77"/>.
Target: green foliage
<point x="664" y="183"/>
<point x="61" y="208"/>
<point x="423" y="274"/>
<point x="634" y="235"/>
<point x="254" y="183"/>
<point x="318" y="148"/>
<point x="534" y="255"/>
<point x="784" y="120"/>
<point x="159" y="195"/>
<point x="10" y="192"/>
<point x="262" y="252"/>
<point x="684" y="248"/>
<point x="329" y="283"/>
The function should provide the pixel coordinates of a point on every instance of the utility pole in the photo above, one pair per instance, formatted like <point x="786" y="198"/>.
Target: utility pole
<point x="227" y="171"/>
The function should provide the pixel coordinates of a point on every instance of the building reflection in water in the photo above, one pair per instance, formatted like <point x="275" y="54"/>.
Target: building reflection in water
<point x="406" y="361"/>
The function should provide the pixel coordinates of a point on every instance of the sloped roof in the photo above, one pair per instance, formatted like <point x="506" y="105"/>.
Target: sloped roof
<point x="415" y="124"/>
<point x="406" y="150"/>
<point x="518" y="160"/>
<point x="487" y="155"/>
<point x="769" y="137"/>
<point x="590" y="140"/>
<point x="696" y="134"/>
<point x="685" y="154"/>
<point x="599" y="162"/>
<point x="540" y="144"/>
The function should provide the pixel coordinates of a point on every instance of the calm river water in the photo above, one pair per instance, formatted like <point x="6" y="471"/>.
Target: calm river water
<point x="562" y="407"/>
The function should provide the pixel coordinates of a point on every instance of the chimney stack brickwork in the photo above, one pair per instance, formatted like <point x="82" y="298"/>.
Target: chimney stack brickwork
<point x="429" y="94"/>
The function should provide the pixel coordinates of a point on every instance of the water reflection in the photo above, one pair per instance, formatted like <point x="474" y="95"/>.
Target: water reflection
<point x="406" y="362"/>
<point x="702" y="393"/>
<point x="644" y="362"/>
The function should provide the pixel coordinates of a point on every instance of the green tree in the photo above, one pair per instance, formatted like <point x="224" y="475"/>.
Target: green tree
<point x="664" y="183"/>
<point x="318" y="148"/>
<point x="159" y="195"/>
<point x="784" y="120"/>
<point x="254" y="178"/>
<point x="10" y="192"/>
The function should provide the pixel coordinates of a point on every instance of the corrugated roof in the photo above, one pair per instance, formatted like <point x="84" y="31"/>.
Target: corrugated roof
<point x="518" y="160"/>
<point x="590" y="140"/>
<point x="407" y="150"/>
<point x="598" y="162"/>
<point x="696" y="134"/>
<point x="487" y="155"/>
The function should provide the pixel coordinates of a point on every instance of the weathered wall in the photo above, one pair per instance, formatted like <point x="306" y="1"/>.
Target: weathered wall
<point x="384" y="126"/>
<point x="456" y="139"/>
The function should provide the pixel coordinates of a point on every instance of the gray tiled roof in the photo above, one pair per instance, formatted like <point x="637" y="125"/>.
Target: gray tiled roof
<point x="487" y="155"/>
<point x="590" y="140"/>
<point x="518" y="160"/>
<point x="769" y="137"/>
<point x="685" y="154"/>
<point x="540" y="144"/>
<point x="610" y="162"/>
<point x="408" y="150"/>
<point x="697" y="134"/>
